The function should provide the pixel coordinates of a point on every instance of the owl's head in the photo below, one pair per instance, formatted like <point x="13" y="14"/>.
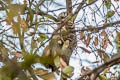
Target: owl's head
<point x="62" y="16"/>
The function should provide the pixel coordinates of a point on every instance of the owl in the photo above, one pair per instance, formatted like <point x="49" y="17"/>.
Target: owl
<point x="62" y="43"/>
<point x="61" y="18"/>
<point x="68" y="29"/>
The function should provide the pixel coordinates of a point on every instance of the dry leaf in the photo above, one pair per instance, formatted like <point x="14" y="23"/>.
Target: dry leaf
<point x="104" y="46"/>
<point x="17" y="54"/>
<point x="82" y="36"/>
<point x="112" y="36"/>
<point x="104" y="43"/>
<point x="15" y="27"/>
<point x="4" y="52"/>
<point x="85" y="50"/>
<point x="28" y="73"/>
<point x="95" y="61"/>
<point x="34" y="44"/>
<point x="28" y="18"/>
<point x="25" y="2"/>
<point x="96" y="41"/>
<point x="103" y="55"/>
<point x="62" y="64"/>
<point x="110" y="42"/>
<point x="46" y="51"/>
<point x="87" y="42"/>
<point x="9" y="21"/>
<point x="106" y="37"/>
<point x="24" y="24"/>
<point x="85" y="70"/>
<point x="41" y="72"/>
<point x="103" y="33"/>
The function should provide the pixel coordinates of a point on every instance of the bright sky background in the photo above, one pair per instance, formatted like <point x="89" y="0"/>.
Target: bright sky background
<point x="85" y="57"/>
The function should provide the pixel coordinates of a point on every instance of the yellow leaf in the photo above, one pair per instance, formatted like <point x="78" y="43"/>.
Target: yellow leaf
<point x="57" y="61"/>
<point x="68" y="70"/>
<point x="110" y="14"/>
<point x="65" y="45"/>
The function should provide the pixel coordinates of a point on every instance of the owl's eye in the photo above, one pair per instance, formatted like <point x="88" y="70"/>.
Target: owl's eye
<point x="62" y="17"/>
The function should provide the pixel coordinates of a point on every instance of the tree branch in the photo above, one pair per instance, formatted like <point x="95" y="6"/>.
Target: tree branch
<point x="95" y="72"/>
<point x="32" y="73"/>
<point x="96" y="29"/>
<point x="69" y="6"/>
<point x="80" y="7"/>
<point x="42" y="13"/>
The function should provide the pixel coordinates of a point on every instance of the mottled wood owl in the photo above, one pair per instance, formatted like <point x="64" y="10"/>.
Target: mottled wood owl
<point x="68" y="30"/>
<point x="63" y="42"/>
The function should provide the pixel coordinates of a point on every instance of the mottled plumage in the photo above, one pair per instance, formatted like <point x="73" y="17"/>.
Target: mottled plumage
<point x="63" y="43"/>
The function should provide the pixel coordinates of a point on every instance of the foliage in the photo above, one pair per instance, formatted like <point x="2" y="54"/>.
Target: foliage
<point x="32" y="34"/>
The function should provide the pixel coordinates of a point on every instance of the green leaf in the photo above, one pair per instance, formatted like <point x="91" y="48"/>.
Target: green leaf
<point x="34" y="45"/>
<point x="16" y="28"/>
<point x="42" y="38"/>
<point x="15" y="10"/>
<point x="108" y="4"/>
<point x="31" y="14"/>
<point x="49" y="76"/>
<point x="68" y="71"/>
<point x="46" y="60"/>
<point x="9" y="70"/>
<point x="57" y="61"/>
<point x="102" y="77"/>
<point x="110" y="14"/>
<point x="90" y="1"/>
<point x="29" y="59"/>
<point x="117" y="41"/>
